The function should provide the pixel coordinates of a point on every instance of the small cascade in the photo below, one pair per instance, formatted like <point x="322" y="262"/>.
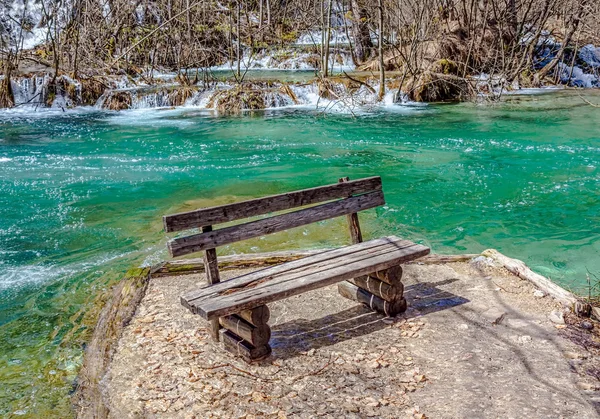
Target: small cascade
<point x="278" y="99"/>
<point x="30" y="91"/>
<point x="299" y="58"/>
<point x="67" y="93"/>
<point x="153" y="99"/>
<point x="324" y="95"/>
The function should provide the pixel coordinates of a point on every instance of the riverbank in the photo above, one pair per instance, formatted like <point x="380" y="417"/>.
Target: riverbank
<point x="258" y="89"/>
<point x="475" y="337"/>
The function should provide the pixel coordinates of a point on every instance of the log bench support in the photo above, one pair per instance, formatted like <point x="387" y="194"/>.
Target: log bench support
<point x="381" y="291"/>
<point x="247" y="333"/>
<point x="367" y="272"/>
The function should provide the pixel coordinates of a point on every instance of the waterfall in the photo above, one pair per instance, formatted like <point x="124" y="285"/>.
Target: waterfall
<point x="30" y="91"/>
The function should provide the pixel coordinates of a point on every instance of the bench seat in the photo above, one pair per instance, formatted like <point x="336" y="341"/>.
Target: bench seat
<point x="281" y="281"/>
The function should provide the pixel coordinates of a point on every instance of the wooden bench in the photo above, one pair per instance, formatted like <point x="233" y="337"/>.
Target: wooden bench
<point x="368" y="272"/>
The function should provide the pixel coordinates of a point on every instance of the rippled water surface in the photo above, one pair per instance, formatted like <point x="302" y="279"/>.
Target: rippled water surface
<point x="82" y="194"/>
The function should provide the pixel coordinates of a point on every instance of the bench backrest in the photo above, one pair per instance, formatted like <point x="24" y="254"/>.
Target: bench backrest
<point x="347" y="198"/>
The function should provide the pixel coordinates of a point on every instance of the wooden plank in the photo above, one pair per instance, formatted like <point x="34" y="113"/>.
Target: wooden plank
<point x="271" y="288"/>
<point x="257" y="260"/>
<point x="261" y="206"/>
<point x="353" y="224"/>
<point x="257" y="316"/>
<point x="379" y="288"/>
<point x="328" y="257"/>
<point x="237" y="346"/>
<point x="212" y="277"/>
<point x="213" y="239"/>
<point x="256" y="335"/>
<point x="362" y="296"/>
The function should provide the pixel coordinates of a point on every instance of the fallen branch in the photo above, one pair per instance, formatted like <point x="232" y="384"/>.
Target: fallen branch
<point x="521" y="270"/>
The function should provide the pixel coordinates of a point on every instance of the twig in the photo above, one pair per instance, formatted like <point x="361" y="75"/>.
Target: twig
<point x="248" y="373"/>
<point x="588" y="102"/>
<point x="152" y="32"/>
<point x="362" y="83"/>
<point x="317" y="372"/>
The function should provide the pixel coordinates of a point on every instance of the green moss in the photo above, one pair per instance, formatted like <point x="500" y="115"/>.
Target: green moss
<point x="185" y="268"/>
<point x="136" y="272"/>
<point x="289" y="37"/>
<point x="445" y="66"/>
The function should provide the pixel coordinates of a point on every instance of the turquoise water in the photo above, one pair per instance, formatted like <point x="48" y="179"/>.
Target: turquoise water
<point x="82" y="195"/>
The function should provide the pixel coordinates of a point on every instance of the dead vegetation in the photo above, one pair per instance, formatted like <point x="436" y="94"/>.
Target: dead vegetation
<point x="238" y="99"/>
<point x="117" y="101"/>
<point x="88" y="39"/>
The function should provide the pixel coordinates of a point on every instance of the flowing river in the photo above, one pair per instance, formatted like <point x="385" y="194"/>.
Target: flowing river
<point x="82" y="194"/>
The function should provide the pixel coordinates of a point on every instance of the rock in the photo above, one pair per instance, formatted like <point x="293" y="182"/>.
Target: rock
<point x="590" y="55"/>
<point x="442" y="82"/>
<point x="587" y="325"/>
<point x="556" y="316"/>
<point x="238" y="99"/>
<point x="574" y="355"/>
<point x="524" y="339"/>
<point x="539" y="294"/>
<point x="586" y="386"/>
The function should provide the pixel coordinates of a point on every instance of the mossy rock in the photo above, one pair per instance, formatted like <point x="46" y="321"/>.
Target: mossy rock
<point x="439" y="87"/>
<point x="445" y="66"/>
<point x="238" y="99"/>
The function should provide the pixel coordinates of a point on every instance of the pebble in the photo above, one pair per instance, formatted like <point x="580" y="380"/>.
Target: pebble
<point x="539" y="294"/>
<point x="586" y="325"/>
<point x="556" y="316"/>
<point x="574" y="355"/>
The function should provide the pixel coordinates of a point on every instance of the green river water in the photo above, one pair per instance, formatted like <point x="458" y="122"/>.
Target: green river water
<point x="82" y="194"/>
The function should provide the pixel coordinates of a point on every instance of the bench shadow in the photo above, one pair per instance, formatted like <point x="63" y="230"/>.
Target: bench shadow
<point x="289" y="338"/>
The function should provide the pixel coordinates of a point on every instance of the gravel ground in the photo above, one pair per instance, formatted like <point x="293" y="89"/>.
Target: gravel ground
<point x="475" y="343"/>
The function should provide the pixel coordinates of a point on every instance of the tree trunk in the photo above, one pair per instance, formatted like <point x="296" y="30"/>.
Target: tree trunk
<point x="239" y="40"/>
<point x="380" y="51"/>
<point x="326" y="39"/>
<point x="6" y="96"/>
<point x="360" y="31"/>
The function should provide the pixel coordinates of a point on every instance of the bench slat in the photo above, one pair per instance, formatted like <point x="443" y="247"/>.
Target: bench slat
<point x="280" y="282"/>
<point x="261" y="206"/>
<point x="210" y="240"/>
<point x="307" y="261"/>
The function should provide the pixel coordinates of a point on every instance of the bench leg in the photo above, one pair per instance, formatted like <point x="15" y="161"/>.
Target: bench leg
<point x="381" y="291"/>
<point x="247" y="334"/>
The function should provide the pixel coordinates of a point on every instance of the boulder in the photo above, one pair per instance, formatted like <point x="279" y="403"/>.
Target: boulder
<point x="440" y="83"/>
